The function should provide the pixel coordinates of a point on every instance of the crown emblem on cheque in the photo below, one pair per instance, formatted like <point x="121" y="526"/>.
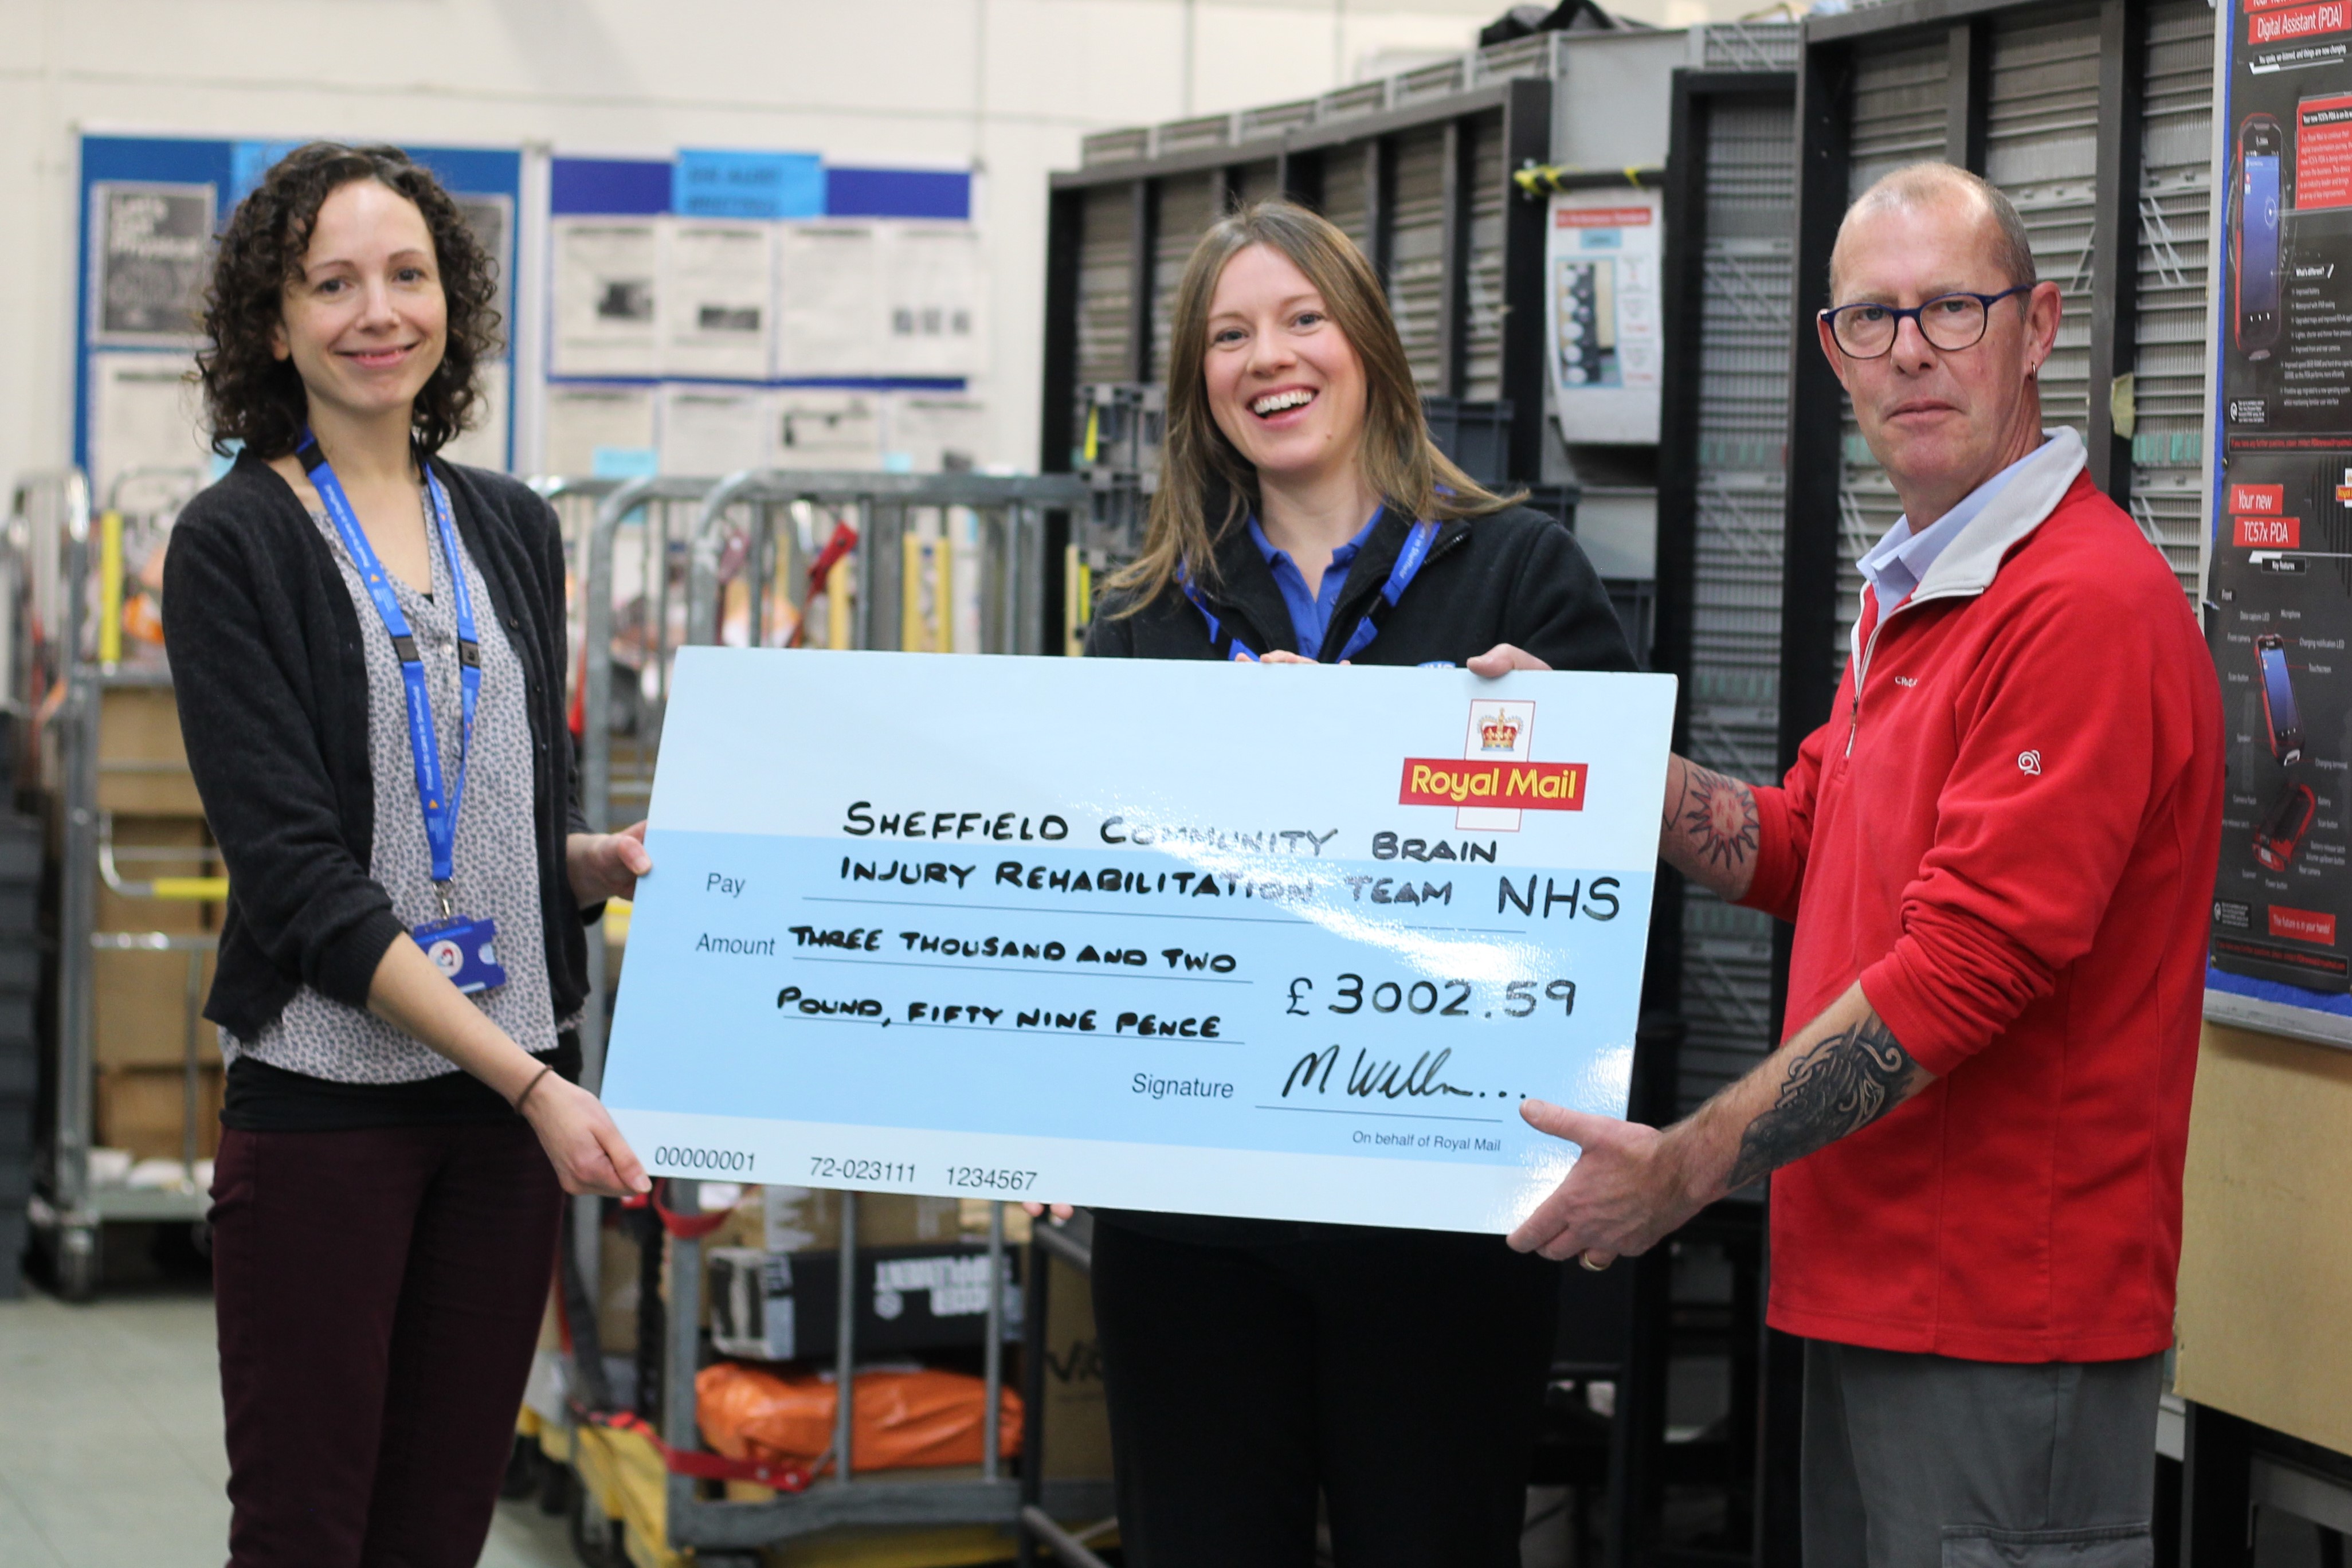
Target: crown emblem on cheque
<point x="1498" y="733"/>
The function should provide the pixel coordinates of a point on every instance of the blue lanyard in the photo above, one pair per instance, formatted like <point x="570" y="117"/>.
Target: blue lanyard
<point x="1408" y="565"/>
<point x="440" y="805"/>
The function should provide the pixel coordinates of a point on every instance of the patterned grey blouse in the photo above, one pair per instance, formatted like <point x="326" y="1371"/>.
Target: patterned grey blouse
<point x="495" y="859"/>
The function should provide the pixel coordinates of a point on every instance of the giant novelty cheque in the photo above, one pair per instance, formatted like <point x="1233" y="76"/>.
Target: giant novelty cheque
<point x="1283" y="941"/>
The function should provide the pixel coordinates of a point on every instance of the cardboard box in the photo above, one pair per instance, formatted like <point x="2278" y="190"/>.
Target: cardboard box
<point x="1077" y="1420"/>
<point x="786" y="1305"/>
<point x="142" y="1009"/>
<point x="141" y="1110"/>
<point x="808" y="1219"/>
<point x="142" y="766"/>
<point x="617" y="1292"/>
<point x="781" y="1219"/>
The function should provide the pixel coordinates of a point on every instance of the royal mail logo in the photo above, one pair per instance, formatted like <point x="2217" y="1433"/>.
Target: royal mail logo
<point x="1512" y="786"/>
<point x="1500" y="730"/>
<point x="1499" y="733"/>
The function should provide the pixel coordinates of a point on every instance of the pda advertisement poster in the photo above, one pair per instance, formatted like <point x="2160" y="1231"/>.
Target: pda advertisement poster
<point x="2280" y="583"/>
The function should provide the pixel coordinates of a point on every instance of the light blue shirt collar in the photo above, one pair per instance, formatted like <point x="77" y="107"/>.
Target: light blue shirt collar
<point x="1898" y="564"/>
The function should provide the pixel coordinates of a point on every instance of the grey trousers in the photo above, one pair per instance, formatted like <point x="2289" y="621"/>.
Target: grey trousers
<point x="1923" y="1461"/>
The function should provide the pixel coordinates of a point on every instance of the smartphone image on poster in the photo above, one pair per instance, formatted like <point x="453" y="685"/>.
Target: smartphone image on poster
<point x="2279" y="710"/>
<point x="2280" y="834"/>
<point x="2255" y="189"/>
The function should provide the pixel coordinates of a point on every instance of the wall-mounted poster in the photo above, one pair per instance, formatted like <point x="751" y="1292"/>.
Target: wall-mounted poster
<point x="932" y="301"/>
<point x="151" y="248"/>
<point x="717" y="281"/>
<point x="604" y="431"/>
<point x="607" y="274"/>
<point x="933" y="432"/>
<point x="2279" y="573"/>
<point x="146" y="419"/>
<point x="485" y="445"/>
<point x="821" y="428"/>
<point x="1602" y="327"/>
<point x="492" y="217"/>
<point x="829" y="309"/>
<point x="709" y="432"/>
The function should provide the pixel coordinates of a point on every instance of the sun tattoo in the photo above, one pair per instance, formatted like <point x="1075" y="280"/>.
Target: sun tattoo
<point x="1719" y="815"/>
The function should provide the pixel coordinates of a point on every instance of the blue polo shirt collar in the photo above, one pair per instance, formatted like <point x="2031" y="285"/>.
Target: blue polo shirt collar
<point x="1311" y="612"/>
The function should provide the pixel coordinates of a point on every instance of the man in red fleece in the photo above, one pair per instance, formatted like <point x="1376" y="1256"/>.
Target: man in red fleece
<point x="1999" y="854"/>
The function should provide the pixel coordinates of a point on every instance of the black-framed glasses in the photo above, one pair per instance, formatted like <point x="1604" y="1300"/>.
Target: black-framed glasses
<point x="1948" y="321"/>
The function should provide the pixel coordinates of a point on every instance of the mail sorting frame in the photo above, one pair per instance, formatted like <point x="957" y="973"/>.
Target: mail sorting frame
<point x="1119" y="231"/>
<point x="1348" y="166"/>
<point x="685" y="525"/>
<point x="772" y="515"/>
<point x="2082" y="110"/>
<point x="836" y="1503"/>
<point x="54" y="545"/>
<point x="665" y="515"/>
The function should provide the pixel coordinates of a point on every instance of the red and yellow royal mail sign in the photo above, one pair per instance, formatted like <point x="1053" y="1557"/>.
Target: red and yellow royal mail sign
<point x="1527" y="786"/>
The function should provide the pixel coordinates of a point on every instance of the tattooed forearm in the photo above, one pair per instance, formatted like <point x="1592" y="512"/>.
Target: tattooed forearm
<point x="1712" y="827"/>
<point x="1837" y="1085"/>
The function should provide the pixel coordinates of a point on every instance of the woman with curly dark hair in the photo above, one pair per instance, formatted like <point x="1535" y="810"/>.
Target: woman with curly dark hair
<point x="367" y="644"/>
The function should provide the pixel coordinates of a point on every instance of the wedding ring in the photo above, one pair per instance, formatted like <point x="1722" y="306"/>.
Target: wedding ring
<point x="1586" y="1258"/>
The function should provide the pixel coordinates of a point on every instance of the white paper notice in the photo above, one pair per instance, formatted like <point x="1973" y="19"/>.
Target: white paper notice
<point x="717" y="288"/>
<point x="485" y="445"/>
<point x="830" y="319"/>
<point x="144" y="415"/>
<point x="934" y="286"/>
<point x="606" y="298"/>
<point x="925" y="432"/>
<point x="709" y="432"/>
<point x="1601" y="313"/>
<point x="818" y="429"/>
<point x="587" y="425"/>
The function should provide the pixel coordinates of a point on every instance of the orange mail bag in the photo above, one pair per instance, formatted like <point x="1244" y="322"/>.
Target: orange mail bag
<point x="903" y="1420"/>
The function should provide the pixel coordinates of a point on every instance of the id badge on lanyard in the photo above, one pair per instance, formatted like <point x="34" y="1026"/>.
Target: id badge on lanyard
<point x="1408" y="565"/>
<point x="463" y="947"/>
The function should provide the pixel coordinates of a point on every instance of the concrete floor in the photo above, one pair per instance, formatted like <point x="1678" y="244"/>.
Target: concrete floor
<point x="111" y="1440"/>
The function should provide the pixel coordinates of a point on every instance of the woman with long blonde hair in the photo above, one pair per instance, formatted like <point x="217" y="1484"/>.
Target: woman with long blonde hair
<point x="1304" y="516"/>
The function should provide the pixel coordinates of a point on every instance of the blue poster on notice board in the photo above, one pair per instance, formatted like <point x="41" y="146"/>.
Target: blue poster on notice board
<point x="711" y="183"/>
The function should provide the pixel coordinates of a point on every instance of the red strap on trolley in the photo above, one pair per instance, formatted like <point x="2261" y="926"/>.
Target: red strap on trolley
<point x="782" y="1477"/>
<point x="684" y="1226"/>
<point x="844" y="541"/>
<point x="575" y="718"/>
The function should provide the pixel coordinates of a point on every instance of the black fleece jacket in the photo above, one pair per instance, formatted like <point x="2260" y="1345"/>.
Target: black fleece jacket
<point x="267" y="667"/>
<point x="1515" y="576"/>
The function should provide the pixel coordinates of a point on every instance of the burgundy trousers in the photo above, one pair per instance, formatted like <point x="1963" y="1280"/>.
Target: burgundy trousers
<point x="378" y="1293"/>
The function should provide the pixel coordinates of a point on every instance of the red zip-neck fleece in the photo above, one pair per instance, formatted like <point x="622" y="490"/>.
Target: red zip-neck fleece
<point x="2007" y="832"/>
